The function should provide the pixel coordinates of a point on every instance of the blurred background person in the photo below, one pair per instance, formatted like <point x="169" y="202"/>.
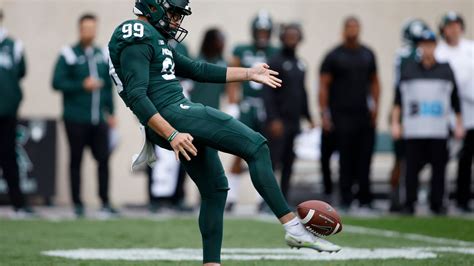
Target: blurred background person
<point x="245" y="100"/>
<point x="285" y="106"/>
<point x="348" y="98"/>
<point x="12" y="71"/>
<point x="81" y="74"/>
<point x="411" y="34"/>
<point x="425" y="93"/>
<point x="211" y="51"/>
<point x="459" y="53"/>
<point x="328" y="148"/>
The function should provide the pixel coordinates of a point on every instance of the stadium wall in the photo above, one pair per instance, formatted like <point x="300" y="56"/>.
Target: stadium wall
<point x="46" y="25"/>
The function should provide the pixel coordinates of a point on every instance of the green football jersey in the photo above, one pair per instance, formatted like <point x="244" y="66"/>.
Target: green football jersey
<point x="144" y="68"/>
<point x="249" y="55"/>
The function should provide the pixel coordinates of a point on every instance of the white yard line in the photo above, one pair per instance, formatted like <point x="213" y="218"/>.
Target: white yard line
<point x="416" y="237"/>
<point x="392" y="234"/>
<point x="242" y="254"/>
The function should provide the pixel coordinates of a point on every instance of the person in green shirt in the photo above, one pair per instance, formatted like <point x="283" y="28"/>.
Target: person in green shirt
<point x="82" y="76"/>
<point x="12" y="71"/>
<point x="144" y="68"/>
<point x="245" y="98"/>
<point x="212" y="49"/>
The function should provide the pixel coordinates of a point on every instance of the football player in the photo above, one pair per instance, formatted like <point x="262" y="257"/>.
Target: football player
<point x="144" y="68"/>
<point x="411" y="34"/>
<point x="250" y="110"/>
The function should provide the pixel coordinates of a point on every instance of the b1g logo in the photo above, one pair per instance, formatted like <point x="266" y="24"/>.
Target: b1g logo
<point x="427" y="109"/>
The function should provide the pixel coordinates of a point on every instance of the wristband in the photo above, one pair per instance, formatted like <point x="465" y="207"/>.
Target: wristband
<point x="173" y="135"/>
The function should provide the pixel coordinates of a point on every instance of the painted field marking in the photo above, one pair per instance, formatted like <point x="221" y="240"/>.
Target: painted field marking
<point x="410" y="236"/>
<point x="392" y="234"/>
<point x="243" y="254"/>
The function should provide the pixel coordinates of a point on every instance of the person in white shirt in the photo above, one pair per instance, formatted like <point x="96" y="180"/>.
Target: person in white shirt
<point x="459" y="53"/>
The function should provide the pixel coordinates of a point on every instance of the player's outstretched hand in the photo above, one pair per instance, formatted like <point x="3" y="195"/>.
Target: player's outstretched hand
<point x="183" y="143"/>
<point x="262" y="73"/>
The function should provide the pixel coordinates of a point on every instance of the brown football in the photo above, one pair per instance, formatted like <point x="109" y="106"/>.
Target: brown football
<point x="319" y="217"/>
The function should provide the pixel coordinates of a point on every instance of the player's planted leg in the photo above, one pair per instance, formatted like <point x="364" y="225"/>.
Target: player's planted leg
<point x="206" y="171"/>
<point x="264" y="181"/>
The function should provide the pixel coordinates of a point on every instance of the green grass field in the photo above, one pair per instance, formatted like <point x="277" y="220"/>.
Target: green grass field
<point x="22" y="241"/>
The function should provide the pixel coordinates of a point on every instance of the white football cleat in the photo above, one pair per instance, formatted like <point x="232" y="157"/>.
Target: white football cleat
<point x="315" y="243"/>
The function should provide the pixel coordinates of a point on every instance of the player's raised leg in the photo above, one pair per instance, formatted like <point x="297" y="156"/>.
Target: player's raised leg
<point x="220" y="131"/>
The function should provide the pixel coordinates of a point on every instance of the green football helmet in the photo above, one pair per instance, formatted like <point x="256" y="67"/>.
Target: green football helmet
<point x="158" y="11"/>
<point x="412" y="30"/>
<point x="262" y="21"/>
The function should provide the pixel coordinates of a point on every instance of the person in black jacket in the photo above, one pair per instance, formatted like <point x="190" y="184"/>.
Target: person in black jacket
<point x="12" y="71"/>
<point x="286" y="105"/>
<point x="348" y="97"/>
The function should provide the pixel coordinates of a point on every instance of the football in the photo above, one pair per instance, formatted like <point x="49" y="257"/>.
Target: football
<point x="319" y="217"/>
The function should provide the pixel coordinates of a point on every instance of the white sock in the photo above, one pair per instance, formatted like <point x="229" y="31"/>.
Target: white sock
<point x="296" y="228"/>
<point x="234" y="185"/>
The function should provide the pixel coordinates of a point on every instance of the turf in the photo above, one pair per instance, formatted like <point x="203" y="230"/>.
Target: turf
<point x="21" y="242"/>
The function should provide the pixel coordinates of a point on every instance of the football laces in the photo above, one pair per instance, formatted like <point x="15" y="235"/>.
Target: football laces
<point x="311" y="230"/>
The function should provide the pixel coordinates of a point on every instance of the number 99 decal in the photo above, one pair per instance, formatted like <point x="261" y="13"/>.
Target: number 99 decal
<point x="137" y="30"/>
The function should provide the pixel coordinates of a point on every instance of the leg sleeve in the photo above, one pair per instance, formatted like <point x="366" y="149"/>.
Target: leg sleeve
<point x="207" y="172"/>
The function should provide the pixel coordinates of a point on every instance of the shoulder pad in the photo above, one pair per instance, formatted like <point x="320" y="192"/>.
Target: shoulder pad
<point x="68" y="53"/>
<point x="17" y="51"/>
<point x="135" y="31"/>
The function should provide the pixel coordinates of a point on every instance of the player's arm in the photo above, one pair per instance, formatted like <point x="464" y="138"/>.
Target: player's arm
<point x="233" y="88"/>
<point x="205" y="72"/>
<point x="374" y="91"/>
<point x="305" y="107"/>
<point x="63" y="80"/>
<point x="456" y="106"/>
<point x="396" y="126"/>
<point x="260" y="73"/>
<point x="135" y="62"/>
<point x="198" y="70"/>
<point x="325" y="80"/>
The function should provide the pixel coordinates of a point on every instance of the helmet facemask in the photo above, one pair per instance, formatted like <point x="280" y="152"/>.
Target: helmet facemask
<point x="171" y="24"/>
<point x="166" y="16"/>
<point x="262" y="27"/>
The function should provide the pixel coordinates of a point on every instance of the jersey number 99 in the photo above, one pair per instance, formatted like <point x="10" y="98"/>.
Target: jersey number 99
<point x="136" y="30"/>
